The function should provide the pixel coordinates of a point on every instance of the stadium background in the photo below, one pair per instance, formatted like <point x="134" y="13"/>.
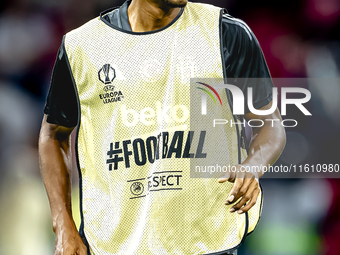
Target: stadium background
<point x="300" y="38"/>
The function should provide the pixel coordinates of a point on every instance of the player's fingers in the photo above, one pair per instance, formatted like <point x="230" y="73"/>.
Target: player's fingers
<point x="241" y="203"/>
<point x="247" y="187"/>
<point x="246" y="194"/>
<point x="252" y="201"/>
<point x="234" y="193"/>
<point x="239" y="188"/>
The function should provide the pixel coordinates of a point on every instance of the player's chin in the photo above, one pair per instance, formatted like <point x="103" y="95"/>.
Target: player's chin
<point x="176" y="3"/>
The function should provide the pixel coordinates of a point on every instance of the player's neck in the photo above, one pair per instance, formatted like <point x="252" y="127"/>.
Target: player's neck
<point x="149" y="15"/>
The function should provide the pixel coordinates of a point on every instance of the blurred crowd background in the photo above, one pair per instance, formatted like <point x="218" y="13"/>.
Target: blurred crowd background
<point x="299" y="38"/>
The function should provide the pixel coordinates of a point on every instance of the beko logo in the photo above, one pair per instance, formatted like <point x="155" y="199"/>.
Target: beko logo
<point x="150" y="116"/>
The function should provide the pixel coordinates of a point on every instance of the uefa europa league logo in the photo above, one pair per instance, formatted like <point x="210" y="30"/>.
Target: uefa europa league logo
<point x="106" y="75"/>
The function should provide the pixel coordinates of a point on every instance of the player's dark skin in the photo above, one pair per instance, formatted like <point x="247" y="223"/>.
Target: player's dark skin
<point x="55" y="153"/>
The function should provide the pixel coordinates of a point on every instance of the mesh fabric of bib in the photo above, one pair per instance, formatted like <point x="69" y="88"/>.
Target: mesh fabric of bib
<point x="135" y="140"/>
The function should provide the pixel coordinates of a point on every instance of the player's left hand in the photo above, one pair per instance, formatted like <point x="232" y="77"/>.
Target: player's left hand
<point x="246" y="188"/>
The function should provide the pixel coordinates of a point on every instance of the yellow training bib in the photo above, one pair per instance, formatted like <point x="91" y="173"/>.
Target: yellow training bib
<point x="136" y="139"/>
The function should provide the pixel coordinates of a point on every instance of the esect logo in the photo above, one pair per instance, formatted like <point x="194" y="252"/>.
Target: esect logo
<point x="158" y="181"/>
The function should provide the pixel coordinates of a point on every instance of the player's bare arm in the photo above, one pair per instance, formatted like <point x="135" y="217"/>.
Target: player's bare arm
<point x="56" y="162"/>
<point x="266" y="145"/>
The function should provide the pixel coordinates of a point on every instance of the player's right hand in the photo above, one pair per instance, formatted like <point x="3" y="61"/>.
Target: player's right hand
<point x="68" y="242"/>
